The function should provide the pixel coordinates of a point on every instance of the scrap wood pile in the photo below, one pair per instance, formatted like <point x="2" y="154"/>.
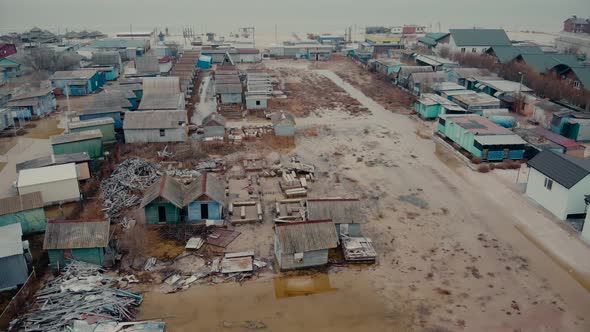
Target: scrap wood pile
<point x="81" y="292"/>
<point x="182" y="233"/>
<point x="123" y="188"/>
<point x="246" y="132"/>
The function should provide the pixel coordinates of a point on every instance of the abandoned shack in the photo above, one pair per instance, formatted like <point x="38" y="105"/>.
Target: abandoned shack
<point x="84" y="141"/>
<point x="105" y="125"/>
<point x="81" y="159"/>
<point x="76" y="82"/>
<point x="283" y="123"/>
<point x="26" y="210"/>
<point x="155" y="126"/>
<point x="344" y="212"/>
<point x="14" y="269"/>
<point x="163" y="202"/>
<point x="57" y="184"/>
<point x="81" y="240"/>
<point x="205" y="199"/>
<point x="31" y="104"/>
<point x="213" y="125"/>
<point x="304" y="244"/>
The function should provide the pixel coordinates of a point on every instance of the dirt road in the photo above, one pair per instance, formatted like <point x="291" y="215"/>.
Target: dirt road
<point x="451" y="257"/>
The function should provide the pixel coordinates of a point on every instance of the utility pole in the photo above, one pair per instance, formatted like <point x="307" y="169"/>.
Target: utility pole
<point x="276" y="38"/>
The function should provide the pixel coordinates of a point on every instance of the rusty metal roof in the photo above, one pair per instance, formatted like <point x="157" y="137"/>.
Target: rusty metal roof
<point x="10" y="205"/>
<point x="167" y="188"/>
<point x="307" y="236"/>
<point x="206" y="185"/>
<point x="72" y="234"/>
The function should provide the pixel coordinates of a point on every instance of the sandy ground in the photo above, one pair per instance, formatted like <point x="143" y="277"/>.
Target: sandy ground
<point x="458" y="250"/>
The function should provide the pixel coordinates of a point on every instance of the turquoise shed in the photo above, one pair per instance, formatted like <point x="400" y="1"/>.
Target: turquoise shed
<point x="105" y="125"/>
<point x="81" y="240"/>
<point x="98" y="113"/>
<point x="27" y="210"/>
<point x="429" y="106"/>
<point x="481" y="137"/>
<point x="86" y="141"/>
<point x="77" y="82"/>
<point x="163" y="202"/>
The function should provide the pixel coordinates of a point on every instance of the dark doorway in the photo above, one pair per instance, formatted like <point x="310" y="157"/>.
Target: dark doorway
<point x="204" y="211"/>
<point x="161" y="213"/>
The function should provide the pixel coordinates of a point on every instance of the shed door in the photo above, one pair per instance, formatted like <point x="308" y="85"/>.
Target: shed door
<point x="204" y="211"/>
<point x="161" y="213"/>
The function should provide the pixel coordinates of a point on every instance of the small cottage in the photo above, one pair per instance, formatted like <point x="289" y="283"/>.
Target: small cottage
<point x="230" y="93"/>
<point x="283" y="123"/>
<point x="57" y="184"/>
<point x="10" y="67"/>
<point x="257" y="101"/>
<point x="304" y="244"/>
<point x="155" y="126"/>
<point x="84" y="141"/>
<point x="559" y="183"/>
<point x="106" y="126"/>
<point x="429" y="106"/>
<point x="163" y="202"/>
<point x="344" y="212"/>
<point x="80" y="240"/>
<point x="14" y="260"/>
<point x="205" y="199"/>
<point x="77" y="82"/>
<point x="214" y="125"/>
<point x="33" y="103"/>
<point x="26" y="210"/>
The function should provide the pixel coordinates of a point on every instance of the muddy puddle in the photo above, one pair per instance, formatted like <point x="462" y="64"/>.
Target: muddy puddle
<point x="343" y="301"/>
<point x="447" y="158"/>
<point x="41" y="129"/>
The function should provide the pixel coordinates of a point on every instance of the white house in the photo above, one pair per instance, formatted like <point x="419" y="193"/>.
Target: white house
<point x="560" y="183"/>
<point x="473" y="40"/>
<point x="155" y="126"/>
<point x="57" y="184"/>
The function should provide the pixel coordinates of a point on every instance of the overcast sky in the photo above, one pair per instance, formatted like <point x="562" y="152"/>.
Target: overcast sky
<point x="303" y="15"/>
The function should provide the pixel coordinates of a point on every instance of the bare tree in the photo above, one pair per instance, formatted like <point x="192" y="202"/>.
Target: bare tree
<point x="47" y="59"/>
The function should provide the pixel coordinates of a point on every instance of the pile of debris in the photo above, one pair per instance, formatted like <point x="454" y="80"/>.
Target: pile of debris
<point x="81" y="292"/>
<point x="123" y="188"/>
<point x="246" y="132"/>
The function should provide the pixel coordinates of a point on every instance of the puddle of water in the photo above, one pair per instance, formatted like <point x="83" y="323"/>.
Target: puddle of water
<point x="302" y="285"/>
<point x="446" y="158"/>
<point x="414" y="200"/>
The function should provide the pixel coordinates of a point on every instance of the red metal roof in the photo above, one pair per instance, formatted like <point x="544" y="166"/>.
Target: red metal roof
<point x="165" y="59"/>
<point x="557" y="139"/>
<point x="248" y="51"/>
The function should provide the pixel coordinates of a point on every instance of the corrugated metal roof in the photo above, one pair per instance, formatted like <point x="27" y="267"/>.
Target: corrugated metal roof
<point x="106" y="58"/>
<point x="33" y="176"/>
<point x="556" y="138"/>
<point x="161" y="101"/>
<point x="339" y="210"/>
<point x="480" y="37"/>
<point x="72" y="234"/>
<point x="477" y="125"/>
<point x="10" y="205"/>
<point x="155" y="119"/>
<point x="505" y="54"/>
<point x="90" y="123"/>
<point x="73" y="75"/>
<point x="147" y="64"/>
<point x="282" y="117"/>
<point x="110" y="99"/>
<point x="428" y="77"/>
<point x="306" y="236"/>
<point x="101" y="110"/>
<point x="167" y="188"/>
<point x="207" y="185"/>
<point x="11" y="242"/>
<point x="161" y="84"/>
<point x="59" y="159"/>
<point x="476" y="99"/>
<point x="563" y="169"/>
<point x="76" y="137"/>
<point x="406" y="71"/>
<point x="32" y="93"/>
<point x="472" y="73"/>
<point x="228" y="88"/>
<point x="505" y="86"/>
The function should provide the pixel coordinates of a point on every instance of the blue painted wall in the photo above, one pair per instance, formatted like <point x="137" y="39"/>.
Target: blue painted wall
<point x="89" y="255"/>
<point x="194" y="210"/>
<point x="116" y="116"/>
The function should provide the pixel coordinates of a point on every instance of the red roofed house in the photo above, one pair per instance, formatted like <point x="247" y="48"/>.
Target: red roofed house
<point x="6" y="50"/>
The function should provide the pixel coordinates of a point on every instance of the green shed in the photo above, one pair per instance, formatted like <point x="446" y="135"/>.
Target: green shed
<point x="86" y="141"/>
<point x="26" y="210"/>
<point x="105" y="125"/>
<point x="163" y="202"/>
<point x="81" y="240"/>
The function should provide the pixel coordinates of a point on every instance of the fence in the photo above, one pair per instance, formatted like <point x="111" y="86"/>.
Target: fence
<point x="17" y="304"/>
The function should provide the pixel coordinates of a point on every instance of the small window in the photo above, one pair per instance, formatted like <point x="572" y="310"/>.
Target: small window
<point x="162" y="132"/>
<point x="463" y="50"/>
<point x="548" y="183"/>
<point x="298" y="257"/>
<point x="258" y="103"/>
<point x="474" y="50"/>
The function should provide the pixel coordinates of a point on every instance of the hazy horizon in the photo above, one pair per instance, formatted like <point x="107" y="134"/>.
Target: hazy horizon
<point x="318" y="16"/>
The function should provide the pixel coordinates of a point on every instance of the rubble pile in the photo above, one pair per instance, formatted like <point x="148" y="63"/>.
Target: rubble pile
<point x="120" y="190"/>
<point x="80" y="292"/>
